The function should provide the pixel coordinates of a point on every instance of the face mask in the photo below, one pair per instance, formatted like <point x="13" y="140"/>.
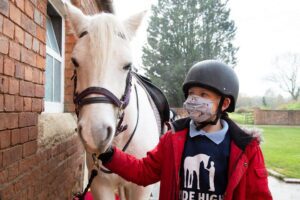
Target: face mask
<point x="198" y="108"/>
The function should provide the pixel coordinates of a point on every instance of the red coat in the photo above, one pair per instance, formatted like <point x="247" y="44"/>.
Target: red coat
<point x="247" y="175"/>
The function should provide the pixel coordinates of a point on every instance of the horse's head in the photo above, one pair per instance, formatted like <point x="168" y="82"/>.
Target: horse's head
<point x="102" y="58"/>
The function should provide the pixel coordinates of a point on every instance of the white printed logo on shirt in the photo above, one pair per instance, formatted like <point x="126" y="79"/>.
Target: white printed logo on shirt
<point x="192" y="166"/>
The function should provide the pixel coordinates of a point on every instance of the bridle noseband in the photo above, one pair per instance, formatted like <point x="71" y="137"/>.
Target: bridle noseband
<point x="81" y="99"/>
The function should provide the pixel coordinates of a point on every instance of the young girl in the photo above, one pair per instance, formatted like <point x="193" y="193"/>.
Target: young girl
<point x="205" y="156"/>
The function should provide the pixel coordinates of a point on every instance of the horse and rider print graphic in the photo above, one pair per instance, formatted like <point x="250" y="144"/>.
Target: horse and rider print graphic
<point x="204" y="169"/>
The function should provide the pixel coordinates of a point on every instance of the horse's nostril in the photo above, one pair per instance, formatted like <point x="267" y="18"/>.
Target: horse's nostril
<point x="79" y="130"/>
<point x="109" y="133"/>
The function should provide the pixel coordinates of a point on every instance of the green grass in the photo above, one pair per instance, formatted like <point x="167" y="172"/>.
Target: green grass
<point x="281" y="146"/>
<point x="290" y="106"/>
<point x="238" y="117"/>
<point x="281" y="149"/>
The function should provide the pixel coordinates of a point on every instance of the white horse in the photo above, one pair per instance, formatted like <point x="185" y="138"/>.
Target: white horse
<point x="102" y="58"/>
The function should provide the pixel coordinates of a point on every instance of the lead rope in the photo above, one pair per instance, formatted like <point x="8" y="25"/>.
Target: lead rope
<point x="94" y="173"/>
<point x="80" y="196"/>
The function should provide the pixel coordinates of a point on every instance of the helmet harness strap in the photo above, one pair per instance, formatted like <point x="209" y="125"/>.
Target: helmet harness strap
<point x="201" y="125"/>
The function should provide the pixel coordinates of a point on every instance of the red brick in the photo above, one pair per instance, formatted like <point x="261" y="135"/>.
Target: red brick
<point x="11" y="120"/>
<point x="15" y="137"/>
<point x="43" y="78"/>
<point x="28" y="73"/>
<point x="42" y="50"/>
<point x="3" y="175"/>
<point x="1" y="64"/>
<point x="29" y="148"/>
<point x="4" y="7"/>
<point x="20" y="70"/>
<point x="9" y="67"/>
<point x="30" y="192"/>
<point x="27" y="104"/>
<point x="8" y="28"/>
<point x="40" y="62"/>
<point x="14" y="50"/>
<point x="35" y="75"/>
<point x="1" y="165"/>
<point x="2" y="121"/>
<point x="15" y="14"/>
<point x="36" y="105"/>
<point x="20" y="185"/>
<point x="28" y="24"/>
<point x="42" y="6"/>
<point x="28" y="41"/>
<point x="3" y="45"/>
<point x="9" y="103"/>
<point x="4" y="139"/>
<point x="26" y="89"/>
<point x="20" y="4"/>
<point x="24" y="135"/>
<point x="33" y="132"/>
<point x="3" y="84"/>
<point x="1" y="102"/>
<point x="29" y="9"/>
<point x="12" y="155"/>
<point x="13" y="171"/>
<point x="71" y="39"/>
<point x="35" y="45"/>
<point x="38" y="17"/>
<point x="1" y="23"/>
<point x="18" y="103"/>
<point x="19" y="35"/>
<point x="13" y="86"/>
<point x="39" y="90"/>
<point x="41" y="34"/>
<point x="28" y="57"/>
<point x="8" y="191"/>
<point x="27" y="119"/>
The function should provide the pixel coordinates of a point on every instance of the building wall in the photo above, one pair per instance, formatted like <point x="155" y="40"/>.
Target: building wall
<point x="30" y="166"/>
<point x="277" y="117"/>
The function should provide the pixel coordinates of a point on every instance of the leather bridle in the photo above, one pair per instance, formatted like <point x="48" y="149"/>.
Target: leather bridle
<point x="81" y="99"/>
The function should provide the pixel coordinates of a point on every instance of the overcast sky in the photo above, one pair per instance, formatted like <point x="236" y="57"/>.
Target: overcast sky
<point x="265" y="29"/>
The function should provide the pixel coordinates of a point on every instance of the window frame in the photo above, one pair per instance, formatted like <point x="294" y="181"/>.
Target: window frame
<point x="57" y="107"/>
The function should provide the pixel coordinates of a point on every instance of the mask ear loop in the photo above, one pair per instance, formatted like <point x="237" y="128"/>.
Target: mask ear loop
<point x="201" y="125"/>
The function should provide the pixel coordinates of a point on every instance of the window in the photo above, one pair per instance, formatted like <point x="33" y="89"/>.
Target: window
<point x="54" y="86"/>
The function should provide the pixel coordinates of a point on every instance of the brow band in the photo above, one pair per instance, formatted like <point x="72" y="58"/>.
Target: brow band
<point x="83" y="34"/>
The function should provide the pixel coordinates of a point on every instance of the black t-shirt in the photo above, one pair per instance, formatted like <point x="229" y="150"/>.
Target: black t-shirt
<point x="204" y="168"/>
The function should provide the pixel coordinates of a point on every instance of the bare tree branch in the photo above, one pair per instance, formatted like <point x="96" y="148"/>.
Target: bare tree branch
<point x="286" y="74"/>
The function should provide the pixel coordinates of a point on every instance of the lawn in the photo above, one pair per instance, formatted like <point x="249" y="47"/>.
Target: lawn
<point x="281" y="147"/>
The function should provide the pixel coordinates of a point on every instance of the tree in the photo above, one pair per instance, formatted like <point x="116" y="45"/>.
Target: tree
<point x="182" y="32"/>
<point x="286" y="74"/>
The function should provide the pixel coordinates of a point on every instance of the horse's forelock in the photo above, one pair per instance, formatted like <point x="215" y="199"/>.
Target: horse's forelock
<point x="102" y="29"/>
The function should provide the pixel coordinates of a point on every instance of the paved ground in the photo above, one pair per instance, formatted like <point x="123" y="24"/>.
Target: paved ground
<point x="279" y="189"/>
<point x="284" y="191"/>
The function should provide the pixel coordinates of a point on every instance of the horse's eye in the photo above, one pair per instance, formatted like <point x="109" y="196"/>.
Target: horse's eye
<point x="127" y="67"/>
<point x="74" y="61"/>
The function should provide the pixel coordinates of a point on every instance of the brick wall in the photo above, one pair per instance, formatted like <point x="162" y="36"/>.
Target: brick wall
<point x="277" y="117"/>
<point x="28" y="171"/>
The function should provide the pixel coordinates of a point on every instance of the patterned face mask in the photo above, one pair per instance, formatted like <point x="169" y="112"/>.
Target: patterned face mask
<point x="198" y="108"/>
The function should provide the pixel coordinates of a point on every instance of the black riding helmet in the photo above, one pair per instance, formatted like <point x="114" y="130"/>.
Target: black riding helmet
<point x="216" y="76"/>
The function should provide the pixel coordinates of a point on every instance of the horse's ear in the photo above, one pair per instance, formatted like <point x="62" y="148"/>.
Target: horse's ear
<point x="78" y="20"/>
<point x="132" y="23"/>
